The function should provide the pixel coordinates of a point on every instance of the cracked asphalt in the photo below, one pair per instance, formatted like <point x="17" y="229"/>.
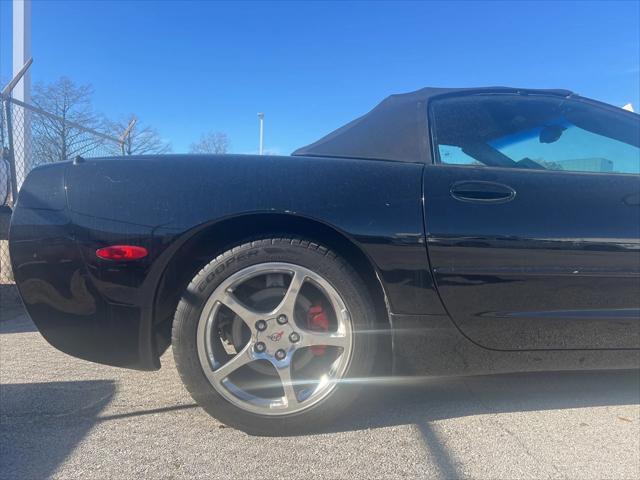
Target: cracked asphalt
<point x="65" y="418"/>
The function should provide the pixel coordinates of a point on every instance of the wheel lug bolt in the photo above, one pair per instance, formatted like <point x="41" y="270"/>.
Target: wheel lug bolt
<point x="260" y="347"/>
<point x="280" y="354"/>
<point x="261" y="325"/>
<point x="294" y="337"/>
<point x="282" y="319"/>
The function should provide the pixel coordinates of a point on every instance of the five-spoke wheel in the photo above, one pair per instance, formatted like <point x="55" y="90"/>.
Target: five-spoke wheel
<point x="268" y="336"/>
<point x="278" y="336"/>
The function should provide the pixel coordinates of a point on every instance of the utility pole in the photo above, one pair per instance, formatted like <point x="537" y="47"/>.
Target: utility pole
<point x="261" y="118"/>
<point x="22" y="90"/>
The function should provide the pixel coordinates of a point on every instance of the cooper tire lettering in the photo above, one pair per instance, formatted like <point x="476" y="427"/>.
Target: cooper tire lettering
<point x="222" y="267"/>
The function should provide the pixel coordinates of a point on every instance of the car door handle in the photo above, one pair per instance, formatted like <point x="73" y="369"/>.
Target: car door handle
<point x="482" y="192"/>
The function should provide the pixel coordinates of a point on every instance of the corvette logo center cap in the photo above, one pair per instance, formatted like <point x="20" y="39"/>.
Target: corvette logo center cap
<point x="276" y="336"/>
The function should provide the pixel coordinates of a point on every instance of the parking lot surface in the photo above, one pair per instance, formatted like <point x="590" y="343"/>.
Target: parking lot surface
<point x="66" y="418"/>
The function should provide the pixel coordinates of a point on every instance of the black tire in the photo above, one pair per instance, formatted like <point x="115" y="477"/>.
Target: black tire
<point x="299" y="252"/>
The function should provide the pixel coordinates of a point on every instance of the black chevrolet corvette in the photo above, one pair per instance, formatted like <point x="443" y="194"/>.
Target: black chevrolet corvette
<point x="447" y="231"/>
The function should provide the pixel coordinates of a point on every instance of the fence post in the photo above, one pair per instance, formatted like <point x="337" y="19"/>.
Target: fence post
<point x="126" y="134"/>
<point x="12" y="157"/>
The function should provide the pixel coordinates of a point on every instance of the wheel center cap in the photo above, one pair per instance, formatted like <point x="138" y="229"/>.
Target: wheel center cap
<point x="276" y="336"/>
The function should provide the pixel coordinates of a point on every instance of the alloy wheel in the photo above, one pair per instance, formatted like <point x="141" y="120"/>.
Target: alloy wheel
<point x="282" y="363"/>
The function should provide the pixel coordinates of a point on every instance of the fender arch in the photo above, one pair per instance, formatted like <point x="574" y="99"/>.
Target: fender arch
<point x="196" y="247"/>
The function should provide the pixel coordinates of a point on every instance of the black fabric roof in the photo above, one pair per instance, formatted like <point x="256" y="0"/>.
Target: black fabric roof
<point x="396" y="129"/>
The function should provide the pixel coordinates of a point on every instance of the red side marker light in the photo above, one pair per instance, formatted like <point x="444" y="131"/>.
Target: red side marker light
<point x="122" y="252"/>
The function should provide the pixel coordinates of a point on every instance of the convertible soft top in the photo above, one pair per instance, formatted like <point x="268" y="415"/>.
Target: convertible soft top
<point x="396" y="129"/>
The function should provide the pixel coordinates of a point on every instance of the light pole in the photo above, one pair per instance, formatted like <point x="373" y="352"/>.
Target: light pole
<point x="261" y="118"/>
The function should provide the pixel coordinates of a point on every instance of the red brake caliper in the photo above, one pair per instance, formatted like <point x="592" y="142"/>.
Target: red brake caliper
<point x="318" y="321"/>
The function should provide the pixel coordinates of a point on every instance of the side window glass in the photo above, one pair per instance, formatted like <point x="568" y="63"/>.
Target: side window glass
<point x="535" y="132"/>
<point x="455" y="156"/>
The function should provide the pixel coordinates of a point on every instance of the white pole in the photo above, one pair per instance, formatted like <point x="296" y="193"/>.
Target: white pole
<point x="22" y="91"/>
<point x="261" y="117"/>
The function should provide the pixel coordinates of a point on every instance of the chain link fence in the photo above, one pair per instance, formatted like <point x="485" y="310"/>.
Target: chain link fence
<point x="29" y="137"/>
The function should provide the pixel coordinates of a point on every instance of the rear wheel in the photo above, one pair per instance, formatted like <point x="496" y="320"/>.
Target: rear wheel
<point x="267" y="335"/>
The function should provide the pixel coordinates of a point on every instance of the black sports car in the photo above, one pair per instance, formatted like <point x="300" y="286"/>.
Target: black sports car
<point x="446" y="231"/>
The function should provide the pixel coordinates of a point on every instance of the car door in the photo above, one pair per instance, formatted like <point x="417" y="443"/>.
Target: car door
<point x="532" y="214"/>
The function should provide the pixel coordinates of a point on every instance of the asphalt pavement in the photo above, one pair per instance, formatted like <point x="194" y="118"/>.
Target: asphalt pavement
<point x="65" y="418"/>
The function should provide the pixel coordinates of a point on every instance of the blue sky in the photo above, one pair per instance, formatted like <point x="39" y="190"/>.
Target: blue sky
<point x="189" y="67"/>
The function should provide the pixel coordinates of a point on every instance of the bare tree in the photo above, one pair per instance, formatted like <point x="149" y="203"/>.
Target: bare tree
<point x="58" y="137"/>
<point x="212" y="142"/>
<point x="140" y="139"/>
